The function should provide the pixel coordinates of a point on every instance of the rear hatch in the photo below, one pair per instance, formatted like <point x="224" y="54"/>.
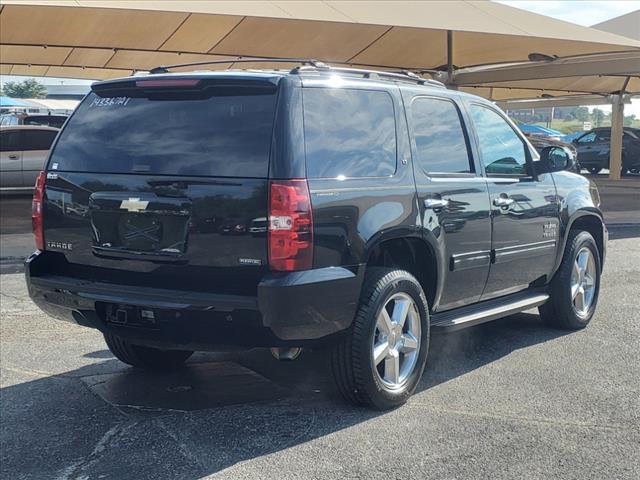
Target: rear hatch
<point x="163" y="182"/>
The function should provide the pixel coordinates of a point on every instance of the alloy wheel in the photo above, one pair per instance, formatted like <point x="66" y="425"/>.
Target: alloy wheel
<point x="396" y="341"/>
<point x="583" y="281"/>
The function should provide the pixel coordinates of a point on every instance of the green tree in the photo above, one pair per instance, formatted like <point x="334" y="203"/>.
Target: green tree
<point x="29" y="88"/>
<point x="628" y="120"/>
<point x="597" y="116"/>
<point x="581" y="114"/>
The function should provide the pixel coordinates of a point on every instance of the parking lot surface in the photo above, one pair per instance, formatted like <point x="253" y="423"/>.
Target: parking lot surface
<point x="509" y="399"/>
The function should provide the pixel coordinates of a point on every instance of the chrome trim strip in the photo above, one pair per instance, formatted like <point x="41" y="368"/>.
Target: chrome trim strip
<point x="452" y="322"/>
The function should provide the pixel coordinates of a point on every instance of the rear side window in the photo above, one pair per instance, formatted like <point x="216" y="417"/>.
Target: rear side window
<point x="441" y="143"/>
<point x="349" y="133"/>
<point x="37" y="139"/>
<point x="227" y="134"/>
<point x="9" y="141"/>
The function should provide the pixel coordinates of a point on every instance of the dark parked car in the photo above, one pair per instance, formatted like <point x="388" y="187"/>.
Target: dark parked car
<point x="593" y="149"/>
<point x="540" y="142"/>
<point x="395" y="208"/>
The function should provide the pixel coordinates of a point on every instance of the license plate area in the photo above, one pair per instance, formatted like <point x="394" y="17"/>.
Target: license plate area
<point x="131" y="316"/>
<point x="160" y="227"/>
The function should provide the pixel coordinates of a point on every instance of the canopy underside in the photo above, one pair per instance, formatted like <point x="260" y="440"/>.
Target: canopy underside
<point x="95" y="40"/>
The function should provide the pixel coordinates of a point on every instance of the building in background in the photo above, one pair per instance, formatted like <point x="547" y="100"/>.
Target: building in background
<point x="67" y="92"/>
<point x="626" y="25"/>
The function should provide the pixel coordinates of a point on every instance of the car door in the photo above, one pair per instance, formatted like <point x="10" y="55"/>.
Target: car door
<point x="10" y="159"/>
<point x="593" y="148"/>
<point x="524" y="206"/>
<point x="631" y="149"/>
<point x="452" y="196"/>
<point x="36" y="144"/>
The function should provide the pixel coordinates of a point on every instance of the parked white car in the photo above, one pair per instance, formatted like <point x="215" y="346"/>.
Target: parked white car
<point x="23" y="152"/>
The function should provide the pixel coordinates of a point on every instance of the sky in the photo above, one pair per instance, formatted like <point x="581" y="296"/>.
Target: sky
<point x="585" y="13"/>
<point x="582" y="12"/>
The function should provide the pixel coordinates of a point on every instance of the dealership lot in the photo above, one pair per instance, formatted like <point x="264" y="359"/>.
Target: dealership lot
<point x="508" y="399"/>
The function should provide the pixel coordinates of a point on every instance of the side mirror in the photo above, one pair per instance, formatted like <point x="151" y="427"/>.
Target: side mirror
<point x="555" y="159"/>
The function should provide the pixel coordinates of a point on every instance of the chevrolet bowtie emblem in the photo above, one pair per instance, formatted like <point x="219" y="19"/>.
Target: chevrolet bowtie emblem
<point x="134" y="204"/>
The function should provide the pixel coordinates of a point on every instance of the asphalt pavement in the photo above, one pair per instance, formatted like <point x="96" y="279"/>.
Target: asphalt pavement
<point x="509" y="399"/>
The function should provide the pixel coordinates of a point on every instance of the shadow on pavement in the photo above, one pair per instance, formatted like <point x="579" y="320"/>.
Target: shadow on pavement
<point x="106" y="419"/>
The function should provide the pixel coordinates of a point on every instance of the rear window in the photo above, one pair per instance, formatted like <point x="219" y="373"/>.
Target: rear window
<point x="349" y="133"/>
<point x="227" y="134"/>
<point x="46" y="120"/>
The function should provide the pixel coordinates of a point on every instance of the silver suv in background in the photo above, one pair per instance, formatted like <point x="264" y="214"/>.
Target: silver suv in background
<point x="23" y="152"/>
<point x="48" y="120"/>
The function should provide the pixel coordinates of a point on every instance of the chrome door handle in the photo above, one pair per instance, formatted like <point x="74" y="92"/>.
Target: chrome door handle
<point x="503" y="201"/>
<point x="434" y="203"/>
<point x="13" y="157"/>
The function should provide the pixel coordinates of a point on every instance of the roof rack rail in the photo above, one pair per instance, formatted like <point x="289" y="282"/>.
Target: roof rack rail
<point x="307" y="64"/>
<point x="303" y="61"/>
<point x="404" y="75"/>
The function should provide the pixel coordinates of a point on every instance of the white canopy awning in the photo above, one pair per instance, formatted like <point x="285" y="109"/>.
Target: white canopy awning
<point x="103" y="39"/>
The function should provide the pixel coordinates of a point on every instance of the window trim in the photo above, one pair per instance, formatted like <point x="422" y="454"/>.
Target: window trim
<point x="351" y="88"/>
<point x="527" y="151"/>
<point x="467" y="140"/>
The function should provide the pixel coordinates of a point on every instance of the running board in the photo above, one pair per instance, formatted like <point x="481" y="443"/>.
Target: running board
<point x="471" y="315"/>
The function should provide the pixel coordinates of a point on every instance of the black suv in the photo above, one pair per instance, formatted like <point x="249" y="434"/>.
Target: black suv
<point x="320" y="206"/>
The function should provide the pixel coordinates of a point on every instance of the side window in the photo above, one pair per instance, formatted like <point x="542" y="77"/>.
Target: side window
<point x="441" y="142"/>
<point x="603" y="136"/>
<point x="588" y="138"/>
<point x="9" y="141"/>
<point x="502" y="151"/>
<point x="37" y="139"/>
<point x="349" y="133"/>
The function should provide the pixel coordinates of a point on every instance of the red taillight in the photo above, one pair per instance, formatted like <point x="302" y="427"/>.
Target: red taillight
<point x="36" y="211"/>
<point x="290" y="226"/>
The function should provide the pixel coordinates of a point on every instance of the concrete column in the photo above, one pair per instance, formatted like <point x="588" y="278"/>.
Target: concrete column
<point x="615" y="150"/>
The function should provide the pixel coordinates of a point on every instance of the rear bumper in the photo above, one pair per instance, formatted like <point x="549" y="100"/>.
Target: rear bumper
<point x="290" y="309"/>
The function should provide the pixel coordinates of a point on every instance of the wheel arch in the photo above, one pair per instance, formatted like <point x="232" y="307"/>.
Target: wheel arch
<point x="589" y="221"/>
<point x="413" y="254"/>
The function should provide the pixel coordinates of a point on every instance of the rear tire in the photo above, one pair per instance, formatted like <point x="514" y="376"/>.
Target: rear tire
<point x="576" y="285"/>
<point x="145" y="357"/>
<point x="399" y="339"/>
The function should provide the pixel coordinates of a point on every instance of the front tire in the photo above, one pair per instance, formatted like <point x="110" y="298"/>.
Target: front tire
<point x="145" y="357"/>
<point x="380" y="360"/>
<point x="594" y="170"/>
<point x="576" y="285"/>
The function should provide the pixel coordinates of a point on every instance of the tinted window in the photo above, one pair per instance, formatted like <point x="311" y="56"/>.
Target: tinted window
<point x="8" y="141"/>
<point x="588" y="138"/>
<point x="603" y="136"/>
<point x="502" y="151"/>
<point x="227" y="134"/>
<point x="37" y="139"/>
<point x="46" y="120"/>
<point x="350" y="133"/>
<point x="440" y="140"/>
